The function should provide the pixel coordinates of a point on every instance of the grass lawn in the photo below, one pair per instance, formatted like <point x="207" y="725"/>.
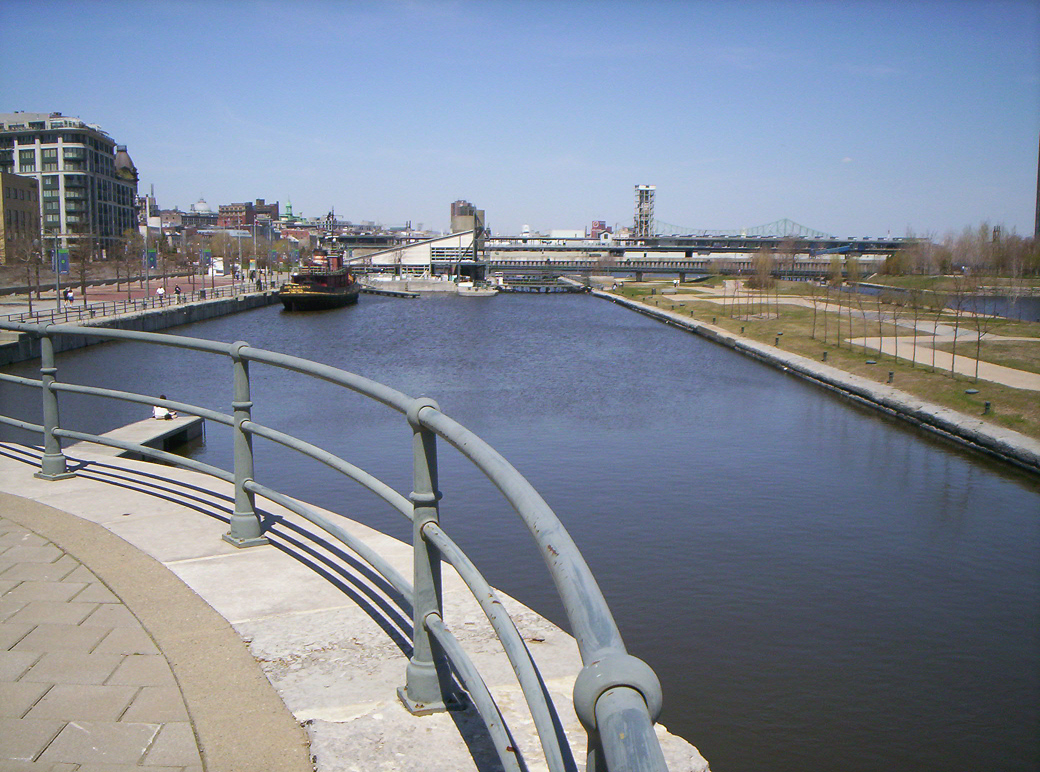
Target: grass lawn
<point x="1016" y="409"/>
<point x="1020" y="354"/>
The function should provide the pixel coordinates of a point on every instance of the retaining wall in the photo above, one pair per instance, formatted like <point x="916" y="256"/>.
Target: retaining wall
<point x="27" y="347"/>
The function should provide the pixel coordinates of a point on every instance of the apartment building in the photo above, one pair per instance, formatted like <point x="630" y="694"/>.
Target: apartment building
<point x="87" y="183"/>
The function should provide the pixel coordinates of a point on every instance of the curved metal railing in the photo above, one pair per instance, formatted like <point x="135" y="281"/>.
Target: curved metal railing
<point x="616" y="696"/>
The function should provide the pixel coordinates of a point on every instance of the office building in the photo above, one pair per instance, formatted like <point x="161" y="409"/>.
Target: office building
<point x="87" y="182"/>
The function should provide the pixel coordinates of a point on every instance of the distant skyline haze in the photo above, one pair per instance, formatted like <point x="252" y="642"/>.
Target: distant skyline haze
<point x="860" y="118"/>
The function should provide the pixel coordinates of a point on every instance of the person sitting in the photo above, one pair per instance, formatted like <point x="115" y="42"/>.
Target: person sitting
<point x="161" y="413"/>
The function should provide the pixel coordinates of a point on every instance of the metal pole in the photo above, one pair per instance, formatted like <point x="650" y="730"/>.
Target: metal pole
<point x="57" y="280"/>
<point x="245" y="525"/>
<point x="52" y="465"/>
<point x="422" y="693"/>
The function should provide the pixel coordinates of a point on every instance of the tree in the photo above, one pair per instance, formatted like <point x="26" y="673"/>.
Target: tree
<point x="81" y="254"/>
<point x="814" y="296"/>
<point x="26" y="249"/>
<point x="128" y="255"/>
<point x="836" y="278"/>
<point x="915" y="296"/>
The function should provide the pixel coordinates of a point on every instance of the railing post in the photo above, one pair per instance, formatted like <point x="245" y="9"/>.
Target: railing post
<point x="245" y="525"/>
<point x="427" y="686"/>
<point x="52" y="465"/>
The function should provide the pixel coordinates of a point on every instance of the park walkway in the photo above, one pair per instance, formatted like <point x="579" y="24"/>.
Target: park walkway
<point x="930" y="336"/>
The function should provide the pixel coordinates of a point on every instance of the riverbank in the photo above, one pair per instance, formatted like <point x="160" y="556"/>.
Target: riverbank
<point x="1006" y="444"/>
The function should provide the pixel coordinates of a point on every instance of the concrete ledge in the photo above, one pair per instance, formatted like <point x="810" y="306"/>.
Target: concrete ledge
<point x="240" y="723"/>
<point x="1005" y="444"/>
<point x="152" y="433"/>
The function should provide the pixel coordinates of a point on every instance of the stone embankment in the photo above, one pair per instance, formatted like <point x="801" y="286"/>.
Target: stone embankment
<point x="1008" y="445"/>
<point x="24" y="347"/>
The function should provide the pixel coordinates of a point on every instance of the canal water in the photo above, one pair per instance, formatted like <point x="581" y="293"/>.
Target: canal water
<point x="819" y="587"/>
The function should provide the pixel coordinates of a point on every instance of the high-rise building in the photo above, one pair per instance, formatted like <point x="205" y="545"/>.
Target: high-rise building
<point x="644" y="219"/>
<point x="87" y="182"/>
<point x="19" y="218"/>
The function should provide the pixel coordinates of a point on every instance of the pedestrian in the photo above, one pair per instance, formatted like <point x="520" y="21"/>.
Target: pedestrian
<point x="160" y="293"/>
<point x="177" y="292"/>
<point x="70" y="297"/>
<point x="161" y="413"/>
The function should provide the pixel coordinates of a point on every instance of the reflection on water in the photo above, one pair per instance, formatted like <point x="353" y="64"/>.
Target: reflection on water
<point x="819" y="587"/>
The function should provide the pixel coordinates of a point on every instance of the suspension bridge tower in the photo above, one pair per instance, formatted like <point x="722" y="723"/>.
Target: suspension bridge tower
<point x="644" y="219"/>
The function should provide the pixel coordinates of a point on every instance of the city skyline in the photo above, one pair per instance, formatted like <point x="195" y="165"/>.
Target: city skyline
<point x="861" y="119"/>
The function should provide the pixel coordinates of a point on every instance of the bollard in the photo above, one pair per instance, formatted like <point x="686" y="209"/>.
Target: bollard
<point x="985" y="410"/>
<point x="742" y="330"/>
<point x="891" y="375"/>
<point x="777" y="340"/>
<point x="713" y="320"/>
<point x="824" y="356"/>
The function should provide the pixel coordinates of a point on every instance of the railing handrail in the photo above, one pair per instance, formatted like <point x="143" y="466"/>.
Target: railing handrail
<point x="100" y="309"/>
<point x="608" y="671"/>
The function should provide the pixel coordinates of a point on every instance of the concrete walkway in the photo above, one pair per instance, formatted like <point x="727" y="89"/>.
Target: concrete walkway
<point x="124" y="615"/>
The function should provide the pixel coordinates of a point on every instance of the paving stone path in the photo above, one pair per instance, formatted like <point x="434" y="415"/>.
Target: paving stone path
<point x="83" y="687"/>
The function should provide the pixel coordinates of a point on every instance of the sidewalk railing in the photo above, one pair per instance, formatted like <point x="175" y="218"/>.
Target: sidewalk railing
<point x="617" y="697"/>
<point x="72" y="313"/>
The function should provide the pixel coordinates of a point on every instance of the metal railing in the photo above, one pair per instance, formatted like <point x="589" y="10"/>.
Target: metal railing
<point x="617" y="697"/>
<point x="70" y="313"/>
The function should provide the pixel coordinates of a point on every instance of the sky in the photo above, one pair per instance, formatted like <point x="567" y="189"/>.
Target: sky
<point x="852" y="117"/>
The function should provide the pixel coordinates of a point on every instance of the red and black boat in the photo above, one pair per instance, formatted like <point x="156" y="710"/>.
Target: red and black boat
<point x="323" y="283"/>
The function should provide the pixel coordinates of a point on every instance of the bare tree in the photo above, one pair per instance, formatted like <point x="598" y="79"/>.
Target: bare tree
<point x="26" y="249"/>
<point x="814" y="296"/>
<point x="836" y="279"/>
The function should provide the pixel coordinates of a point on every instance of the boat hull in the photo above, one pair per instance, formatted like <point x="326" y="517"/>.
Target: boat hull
<point x="318" y="301"/>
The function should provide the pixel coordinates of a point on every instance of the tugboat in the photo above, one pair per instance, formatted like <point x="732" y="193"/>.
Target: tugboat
<point x="323" y="283"/>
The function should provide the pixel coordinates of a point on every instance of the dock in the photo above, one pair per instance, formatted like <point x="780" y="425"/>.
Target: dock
<point x="370" y="290"/>
<point x="160" y="434"/>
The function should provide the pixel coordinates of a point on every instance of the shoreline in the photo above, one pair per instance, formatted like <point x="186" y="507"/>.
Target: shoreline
<point x="1005" y="444"/>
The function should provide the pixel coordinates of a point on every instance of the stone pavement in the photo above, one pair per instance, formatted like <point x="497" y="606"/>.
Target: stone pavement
<point x="81" y="682"/>
<point x="260" y="642"/>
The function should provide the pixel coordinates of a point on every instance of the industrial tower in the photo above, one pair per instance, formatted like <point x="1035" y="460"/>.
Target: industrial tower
<point x="644" y="220"/>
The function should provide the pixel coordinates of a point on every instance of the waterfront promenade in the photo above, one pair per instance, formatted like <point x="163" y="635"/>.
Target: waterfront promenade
<point x="132" y="636"/>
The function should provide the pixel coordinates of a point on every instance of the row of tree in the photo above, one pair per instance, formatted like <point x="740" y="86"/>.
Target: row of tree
<point x="126" y="257"/>
<point x="982" y="250"/>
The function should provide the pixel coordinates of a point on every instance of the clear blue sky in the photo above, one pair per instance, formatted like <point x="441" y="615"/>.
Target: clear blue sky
<point x="855" y="118"/>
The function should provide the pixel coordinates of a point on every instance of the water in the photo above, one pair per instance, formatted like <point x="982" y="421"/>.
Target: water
<point x="818" y="587"/>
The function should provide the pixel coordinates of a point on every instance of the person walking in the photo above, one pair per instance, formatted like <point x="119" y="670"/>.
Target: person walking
<point x="160" y="293"/>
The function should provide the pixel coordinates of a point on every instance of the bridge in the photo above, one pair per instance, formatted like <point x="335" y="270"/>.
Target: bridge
<point x="795" y="252"/>
<point x="616" y="697"/>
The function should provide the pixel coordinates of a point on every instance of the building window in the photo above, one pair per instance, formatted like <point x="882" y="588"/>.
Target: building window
<point x="27" y="160"/>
